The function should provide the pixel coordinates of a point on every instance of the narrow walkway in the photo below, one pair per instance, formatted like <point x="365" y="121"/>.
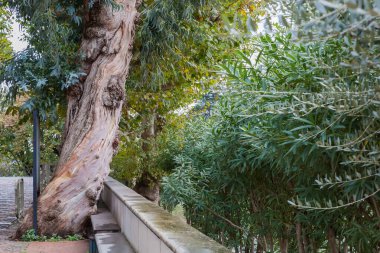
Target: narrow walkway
<point x="44" y="247"/>
<point x="7" y="201"/>
<point x="58" y="247"/>
<point x="13" y="247"/>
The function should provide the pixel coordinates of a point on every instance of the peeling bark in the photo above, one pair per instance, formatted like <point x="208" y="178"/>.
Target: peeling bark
<point x="94" y="109"/>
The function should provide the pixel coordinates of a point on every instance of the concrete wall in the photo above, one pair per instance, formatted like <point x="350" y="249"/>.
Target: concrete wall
<point x="151" y="229"/>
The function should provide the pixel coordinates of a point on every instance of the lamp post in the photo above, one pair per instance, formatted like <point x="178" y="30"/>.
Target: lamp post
<point x="36" y="166"/>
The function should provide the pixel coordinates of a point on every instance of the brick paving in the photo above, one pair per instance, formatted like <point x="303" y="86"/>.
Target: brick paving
<point x="7" y="202"/>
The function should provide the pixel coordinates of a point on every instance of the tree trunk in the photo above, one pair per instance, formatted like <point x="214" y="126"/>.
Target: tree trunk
<point x="314" y="247"/>
<point x="306" y="241"/>
<point x="271" y="243"/>
<point x="301" y="247"/>
<point x="345" y="247"/>
<point x="94" y="109"/>
<point x="260" y="248"/>
<point x="332" y="242"/>
<point x="284" y="245"/>
<point x="147" y="185"/>
<point x="248" y="247"/>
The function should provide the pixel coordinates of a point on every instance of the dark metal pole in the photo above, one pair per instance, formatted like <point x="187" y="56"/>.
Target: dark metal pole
<point x="36" y="166"/>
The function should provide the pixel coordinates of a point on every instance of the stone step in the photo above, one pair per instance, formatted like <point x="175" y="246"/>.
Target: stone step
<point x="104" y="222"/>
<point x="113" y="242"/>
<point x="4" y="225"/>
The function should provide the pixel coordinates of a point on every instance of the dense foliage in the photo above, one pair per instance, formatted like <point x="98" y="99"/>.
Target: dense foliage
<point x="5" y="44"/>
<point x="16" y="146"/>
<point x="43" y="70"/>
<point x="289" y="157"/>
<point x="173" y="65"/>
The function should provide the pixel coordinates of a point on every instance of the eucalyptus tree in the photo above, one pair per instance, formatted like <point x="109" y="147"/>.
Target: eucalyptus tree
<point x="93" y="80"/>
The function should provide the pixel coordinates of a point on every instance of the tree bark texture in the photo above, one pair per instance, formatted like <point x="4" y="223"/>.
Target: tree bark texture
<point x="93" y="114"/>
<point x="332" y="240"/>
<point x="284" y="245"/>
<point x="301" y="247"/>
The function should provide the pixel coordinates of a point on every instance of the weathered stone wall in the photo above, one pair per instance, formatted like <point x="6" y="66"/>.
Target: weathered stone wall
<point x="149" y="228"/>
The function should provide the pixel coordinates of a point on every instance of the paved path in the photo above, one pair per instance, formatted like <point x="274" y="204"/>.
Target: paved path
<point x="7" y="202"/>
<point x="58" y="247"/>
<point x="44" y="247"/>
<point x="13" y="247"/>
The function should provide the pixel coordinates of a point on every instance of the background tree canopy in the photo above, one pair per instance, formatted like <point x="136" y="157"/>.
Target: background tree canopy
<point x="5" y="44"/>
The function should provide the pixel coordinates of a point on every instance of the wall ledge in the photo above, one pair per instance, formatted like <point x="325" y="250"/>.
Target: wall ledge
<point x="178" y="236"/>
